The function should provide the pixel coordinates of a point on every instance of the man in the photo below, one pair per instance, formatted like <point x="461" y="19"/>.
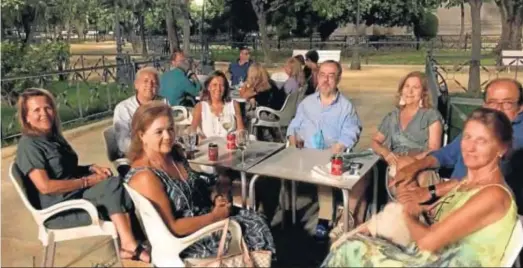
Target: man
<point x="146" y="85"/>
<point x="239" y="68"/>
<point x="502" y="94"/>
<point x="326" y="120"/>
<point x="179" y="82"/>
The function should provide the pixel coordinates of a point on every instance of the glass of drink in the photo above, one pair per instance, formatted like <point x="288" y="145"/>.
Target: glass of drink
<point x="299" y="139"/>
<point x="242" y="139"/>
<point x="227" y="122"/>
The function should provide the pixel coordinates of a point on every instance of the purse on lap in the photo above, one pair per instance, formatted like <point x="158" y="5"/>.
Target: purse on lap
<point x="257" y="258"/>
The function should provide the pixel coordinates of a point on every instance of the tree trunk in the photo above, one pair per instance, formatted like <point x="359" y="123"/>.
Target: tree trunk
<point x="141" y="24"/>
<point x="355" y="63"/>
<point x="262" y="24"/>
<point x="462" y="26"/>
<point x="172" y="35"/>
<point x="186" y="17"/>
<point x="511" y="25"/>
<point x="259" y="9"/>
<point x="474" y="84"/>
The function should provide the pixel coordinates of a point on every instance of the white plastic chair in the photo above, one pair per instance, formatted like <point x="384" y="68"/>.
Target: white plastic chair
<point x="166" y="247"/>
<point x="111" y="148"/>
<point x="284" y="115"/>
<point x="185" y="118"/>
<point x="49" y="237"/>
<point x="279" y="78"/>
<point x="516" y="243"/>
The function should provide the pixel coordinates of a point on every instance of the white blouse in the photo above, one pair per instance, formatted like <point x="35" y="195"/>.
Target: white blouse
<point x="212" y="125"/>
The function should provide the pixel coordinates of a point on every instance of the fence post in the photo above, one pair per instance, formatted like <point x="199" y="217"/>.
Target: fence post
<point x="78" y="99"/>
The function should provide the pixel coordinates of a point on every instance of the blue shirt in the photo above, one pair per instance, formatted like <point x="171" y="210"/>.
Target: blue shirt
<point x="174" y="85"/>
<point x="338" y="121"/>
<point x="238" y="72"/>
<point x="450" y="156"/>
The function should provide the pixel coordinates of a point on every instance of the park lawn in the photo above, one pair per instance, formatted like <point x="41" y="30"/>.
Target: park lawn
<point x="95" y="100"/>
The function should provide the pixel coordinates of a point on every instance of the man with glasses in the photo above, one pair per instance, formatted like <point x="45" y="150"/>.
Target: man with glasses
<point x="501" y="94"/>
<point x="238" y="69"/>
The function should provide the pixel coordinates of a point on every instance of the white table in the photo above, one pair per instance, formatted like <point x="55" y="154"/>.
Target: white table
<point x="255" y="153"/>
<point x="296" y="165"/>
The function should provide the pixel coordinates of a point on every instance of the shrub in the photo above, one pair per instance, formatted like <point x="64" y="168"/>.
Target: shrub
<point x="427" y="27"/>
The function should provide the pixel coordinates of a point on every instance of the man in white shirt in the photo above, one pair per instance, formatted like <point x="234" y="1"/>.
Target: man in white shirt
<point x="146" y="85"/>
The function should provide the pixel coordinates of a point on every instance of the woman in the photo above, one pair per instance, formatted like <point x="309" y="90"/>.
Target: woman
<point x="216" y="108"/>
<point x="45" y="157"/>
<point x="311" y="71"/>
<point x="296" y="79"/>
<point x="472" y="224"/>
<point x="412" y="129"/>
<point x="180" y="194"/>
<point x="259" y="90"/>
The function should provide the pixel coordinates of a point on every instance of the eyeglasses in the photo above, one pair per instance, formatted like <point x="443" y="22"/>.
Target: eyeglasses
<point x="505" y="105"/>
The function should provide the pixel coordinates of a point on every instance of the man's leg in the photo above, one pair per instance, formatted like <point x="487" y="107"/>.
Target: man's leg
<point x="325" y="214"/>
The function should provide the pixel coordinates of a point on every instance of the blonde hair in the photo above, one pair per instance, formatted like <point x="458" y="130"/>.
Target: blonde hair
<point x="296" y="70"/>
<point x="21" y="107"/>
<point x="258" y="77"/>
<point x="426" y="100"/>
<point x="142" y="120"/>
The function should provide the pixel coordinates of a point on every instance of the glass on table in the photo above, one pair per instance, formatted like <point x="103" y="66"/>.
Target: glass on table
<point x="242" y="140"/>
<point x="298" y="137"/>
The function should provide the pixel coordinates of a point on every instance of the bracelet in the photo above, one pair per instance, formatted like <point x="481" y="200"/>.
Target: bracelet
<point x="433" y="196"/>
<point x="84" y="182"/>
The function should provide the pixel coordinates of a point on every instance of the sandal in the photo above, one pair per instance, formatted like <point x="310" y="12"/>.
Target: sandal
<point x="136" y="254"/>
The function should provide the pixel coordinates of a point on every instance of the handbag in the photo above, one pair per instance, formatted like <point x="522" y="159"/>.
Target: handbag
<point x="246" y="258"/>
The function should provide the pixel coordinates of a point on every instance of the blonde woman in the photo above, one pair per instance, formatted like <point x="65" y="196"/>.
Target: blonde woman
<point x="259" y="90"/>
<point x="413" y="128"/>
<point x="296" y="77"/>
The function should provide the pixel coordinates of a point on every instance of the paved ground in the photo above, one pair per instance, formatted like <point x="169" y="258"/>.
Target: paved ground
<point x="20" y="246"/>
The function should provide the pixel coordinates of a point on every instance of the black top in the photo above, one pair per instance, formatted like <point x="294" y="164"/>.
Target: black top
<point x="273" y="98"/>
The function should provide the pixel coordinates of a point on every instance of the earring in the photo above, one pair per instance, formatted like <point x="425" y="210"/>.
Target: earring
<point x="402" y="102"/>
<point x="420" y="103"/>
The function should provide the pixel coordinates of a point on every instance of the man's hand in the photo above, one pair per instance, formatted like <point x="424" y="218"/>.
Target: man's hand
<point x="403" y="176"/>
<point x="338" y="148"/>
<point x="292" y="140"/>
<point x="100" y="170"/>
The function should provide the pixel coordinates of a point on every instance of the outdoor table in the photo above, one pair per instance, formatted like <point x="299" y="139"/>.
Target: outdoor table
<point x="256" y="152"/>
<point x="296" y="165"/>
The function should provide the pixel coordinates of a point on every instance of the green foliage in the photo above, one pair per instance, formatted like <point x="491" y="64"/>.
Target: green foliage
<point x="31" y="60"/>
<point x="427" y="27"/>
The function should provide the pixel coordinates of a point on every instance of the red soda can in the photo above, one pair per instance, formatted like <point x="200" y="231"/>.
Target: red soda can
<point x="213" y="152"/>
<point x="336" y="165"/>
<point x="231" y="141"/>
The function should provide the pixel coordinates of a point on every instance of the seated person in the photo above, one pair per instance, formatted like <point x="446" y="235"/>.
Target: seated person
<point x="502" y="94"/>
<point x="179" y="82"/>
<point x="146" y="85"/>
<point x="411" y="130"/>
<point x="311" y="71"/>
<point x="162" y="174"/>
<point x="47" y="159"/>
<point x="296" y="79"/>
<point x="238" y="69"/>
<point x="260" y="90"/>
<point x="327" y="120"/>
<point x="473" y="222"/>
<point x="216" y="110"/>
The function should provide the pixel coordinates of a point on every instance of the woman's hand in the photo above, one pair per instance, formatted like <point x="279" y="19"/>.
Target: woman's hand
<point x="221" y="208"/>
<point x="100" y="170"/>
<point x="417" y="195"/>
<point x="95" y="178"/>
<point x="391" y="159"/>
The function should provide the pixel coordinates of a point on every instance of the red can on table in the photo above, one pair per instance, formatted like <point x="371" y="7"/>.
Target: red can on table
<point x="336" y="165"/>
<point x="213" y="152"/>
<point x="231" y="141"/>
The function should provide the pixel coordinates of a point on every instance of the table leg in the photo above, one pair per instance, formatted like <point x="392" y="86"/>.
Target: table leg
<point x="375" y="190"/>
<point x="346" y="211"/>
<point x="283" y="203"/>
<point x="252" y="194"/>
<point x="293" y="201"/>
<point x="244" y="188"/>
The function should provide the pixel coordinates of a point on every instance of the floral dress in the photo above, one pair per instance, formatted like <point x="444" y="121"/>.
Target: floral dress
<point x="483" y="248"/>
<point x="191" y="198"/>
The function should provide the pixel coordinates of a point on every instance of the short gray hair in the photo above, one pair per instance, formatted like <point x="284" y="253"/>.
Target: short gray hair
<point x="148" y="69"/>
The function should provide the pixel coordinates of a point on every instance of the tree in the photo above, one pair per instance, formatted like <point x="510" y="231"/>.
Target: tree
<point x="22" y="14"/>
<point x="511" y="12"/>
<point x="474" y="84"/>
<point x="461" y="4"/>
<point x="426" y="27"/>
<point x="263" y="8"/>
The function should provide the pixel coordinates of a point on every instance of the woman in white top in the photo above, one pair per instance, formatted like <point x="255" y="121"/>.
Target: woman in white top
<point x="216" y="114"/>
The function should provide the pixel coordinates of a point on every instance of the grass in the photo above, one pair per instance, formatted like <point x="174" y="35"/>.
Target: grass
<point x="90" y="101"/>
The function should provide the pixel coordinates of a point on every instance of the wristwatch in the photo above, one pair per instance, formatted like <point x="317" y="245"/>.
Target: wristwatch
<point x="433" y="196"/>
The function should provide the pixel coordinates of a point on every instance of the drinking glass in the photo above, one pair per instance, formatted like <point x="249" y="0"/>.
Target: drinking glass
<point x="227" y="122"/>
<point x="242" y="140"/>
<point x="299" y="139"/>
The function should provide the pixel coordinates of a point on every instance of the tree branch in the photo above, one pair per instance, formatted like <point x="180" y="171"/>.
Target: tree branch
<point x="275" y="5"/>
